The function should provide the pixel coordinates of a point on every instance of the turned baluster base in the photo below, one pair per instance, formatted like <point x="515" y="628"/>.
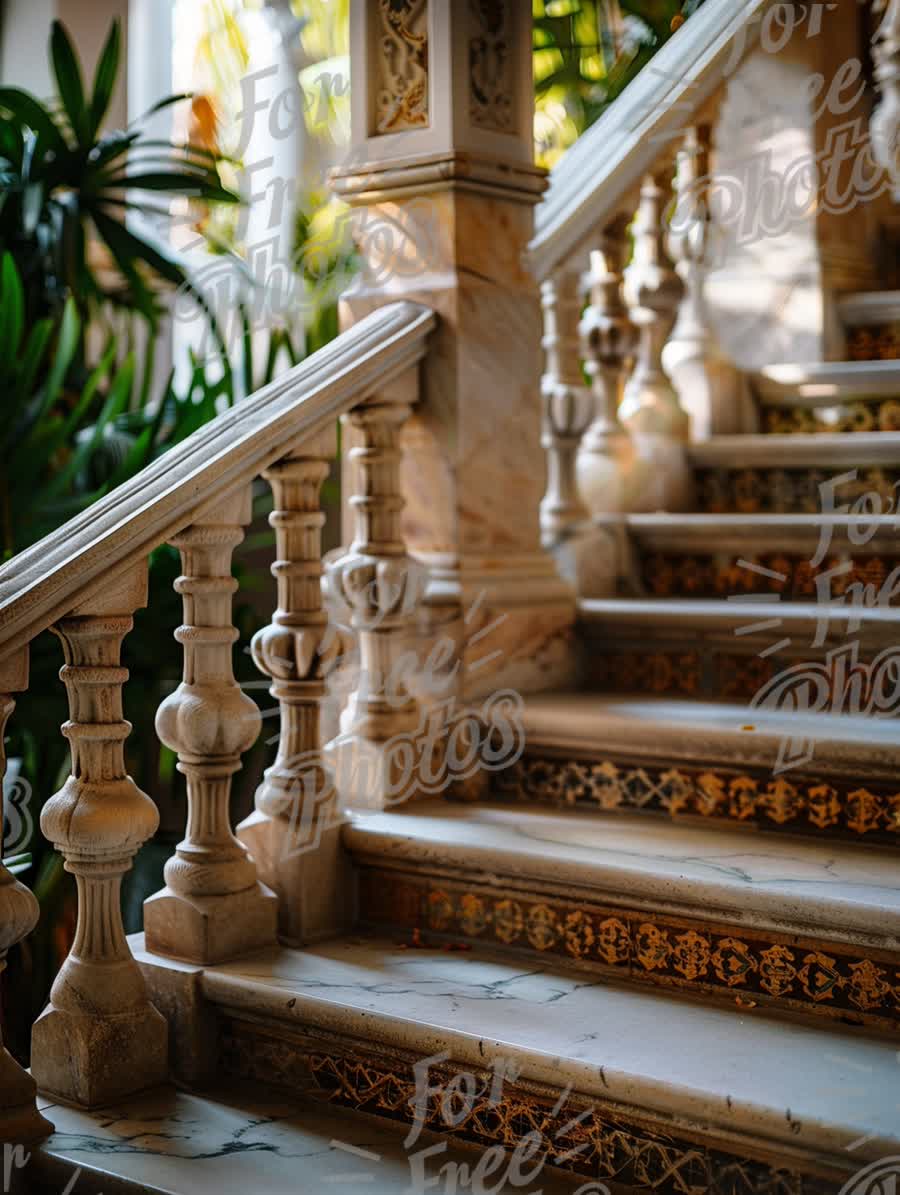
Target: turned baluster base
<point x="20" y="1121"/>
<point x="210" y="929"/>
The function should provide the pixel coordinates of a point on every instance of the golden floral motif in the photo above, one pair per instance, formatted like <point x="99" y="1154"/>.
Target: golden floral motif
<point x="868" y="986"/>
<point x="823" y="806"/>
<point x="401" y="65"/>
<point x="863" y="811"/>
<point x="819" y="976"/>
<point x="690" y="956"/>
<point x="782" y="801"/>
<point x="508" y="920"/>
<point x="607" y="789"/>
<point x="711" y="794"/>
<point x="579" y="933"/>
<point x="440" y="911"/>
<point x="733" y="961"/>
<point x="743" y="793"/>
<point x="613" y="941"/>
<point x="472" y="916"/>
<point x="543" y="927"/>
<point x="679" y="791"/>
<point x="652" y="946"/>
<point x="777" y="970"/>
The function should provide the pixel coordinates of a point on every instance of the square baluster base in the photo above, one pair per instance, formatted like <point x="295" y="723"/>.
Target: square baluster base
<point x="313" y="876"/>
<point x="210" y="929"/>
<point x="20" y="1121"/>
<point x="90" y="1059"/>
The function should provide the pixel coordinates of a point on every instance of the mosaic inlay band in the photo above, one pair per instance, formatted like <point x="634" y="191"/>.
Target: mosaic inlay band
<point x="787" y="577"/>
<point x="788" y="491"/>
<point x="590" y="1140"/>
<point x="800" y="803"/>
<point x="749" y="965"/>
<point x="863" y="415"/>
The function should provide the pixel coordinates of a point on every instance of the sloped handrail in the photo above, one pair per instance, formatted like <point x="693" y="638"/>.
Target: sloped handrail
<point x="47" y="580"/>
<point x="608" y="161"/>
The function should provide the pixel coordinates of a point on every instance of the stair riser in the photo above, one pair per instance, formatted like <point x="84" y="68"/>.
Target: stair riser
<point x="484" y="1108"/>
<point x="726" y="574"/>
<point x="855" y="415"/>
<point x="874" y="342"/>
<point x="732" y="668"/>
<point x="789" y="491"/>
<point x="800" y="802"/>
<point x="741" y="965"/>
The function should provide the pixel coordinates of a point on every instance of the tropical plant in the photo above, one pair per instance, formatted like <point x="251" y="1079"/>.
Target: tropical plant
<point x="586" y="52"/>
<point x="68" y="188"/>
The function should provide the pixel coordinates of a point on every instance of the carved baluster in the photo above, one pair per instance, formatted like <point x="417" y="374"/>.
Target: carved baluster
<point x="20" y="1121"/>
<point x="99" y="1038"/>
<point x="374" y="764"/>
<point x="290" y="829"/>
<point x="652" y="292"/>
<point x="213" y="906"/>
<point x="885" y="123"/>
<point x="567" y="405"/>
<point x="708" y="385"/>
<point x="606" y="458"/>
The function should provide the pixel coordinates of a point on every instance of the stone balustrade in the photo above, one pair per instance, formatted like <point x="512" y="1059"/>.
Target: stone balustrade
<point x="100" y="1036"/>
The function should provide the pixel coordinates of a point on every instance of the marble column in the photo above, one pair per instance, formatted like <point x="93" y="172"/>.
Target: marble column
<point x="443" y="183"/>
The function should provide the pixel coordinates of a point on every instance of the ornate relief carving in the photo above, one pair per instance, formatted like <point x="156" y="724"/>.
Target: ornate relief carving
<point x="401" y="66"/>
<point x="575" y="1133"/>
<point x="675" y="951"/>
<point x="807" y="803"/>
<point x="491" y="82"/>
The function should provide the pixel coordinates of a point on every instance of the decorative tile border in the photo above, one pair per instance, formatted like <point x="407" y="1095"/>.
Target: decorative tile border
<point x="788" y="491"/>
<point x="874" y="342"/>
<point x="741" y="964"/>
<point x="669" y="574"/>
<point x="807" y="803"/>
<point x="862" y="415"/>
<point x="710" y="671"/>
<point x="593" y="1141"/>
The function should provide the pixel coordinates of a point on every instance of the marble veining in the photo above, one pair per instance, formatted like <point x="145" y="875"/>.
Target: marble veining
<point x="244" y="1139"/>
<point x="656" y="1052"/>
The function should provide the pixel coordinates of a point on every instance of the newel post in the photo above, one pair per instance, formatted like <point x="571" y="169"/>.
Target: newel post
<point x="443" y="182"/>
<point x="213" y="906"/>
<point x="99" y="1037"/>
<point x="20" y="1121"/>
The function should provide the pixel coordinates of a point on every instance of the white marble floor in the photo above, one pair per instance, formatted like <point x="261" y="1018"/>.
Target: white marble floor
<point x="242" y="1141"/>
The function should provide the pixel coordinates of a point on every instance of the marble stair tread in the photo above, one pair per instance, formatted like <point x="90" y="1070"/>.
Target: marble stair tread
<point x="778" y="1083"/>
<point x="826" y="383"/>
<point x="802" y="450"/>
<point x="734" y="616"/>
<point x="840" y="892"/>
<point x="868" y="307"/>
<point x="770" y="534"/>
<point x="673" y="730"/>
<point x="239" y="1139"/>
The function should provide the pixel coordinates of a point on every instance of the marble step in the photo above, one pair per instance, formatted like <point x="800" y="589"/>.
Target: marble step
<point x="764" y="921"/>
<point x="710" y="763"/>
<point x="830" y="657"/>
<point x="871" y="321"/>
<point x="829" y="396"/>
<point x="795" y="474"/>
<point x="800" y="557"/>
<point x="641" y="1089"/>
<point x="244" y="1138"/>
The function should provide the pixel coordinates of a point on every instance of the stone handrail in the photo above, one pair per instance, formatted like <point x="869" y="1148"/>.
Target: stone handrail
<point x="54" y="575"/>
<point x="609" y="160"/>
<point x="100" y="1037"/>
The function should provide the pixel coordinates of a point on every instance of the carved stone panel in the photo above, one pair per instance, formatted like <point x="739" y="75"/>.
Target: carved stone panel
<point x="401" y="65"/>
<point x="491" y="81"/>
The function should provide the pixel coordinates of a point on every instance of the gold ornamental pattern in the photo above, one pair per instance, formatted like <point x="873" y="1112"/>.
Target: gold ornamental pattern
<point x="803" y="974"/>
<point x="808" y="803"/>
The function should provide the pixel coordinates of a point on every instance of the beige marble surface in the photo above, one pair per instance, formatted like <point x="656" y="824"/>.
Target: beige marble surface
<point x="851" y="892"/>
<point x="785" y="1085"/>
